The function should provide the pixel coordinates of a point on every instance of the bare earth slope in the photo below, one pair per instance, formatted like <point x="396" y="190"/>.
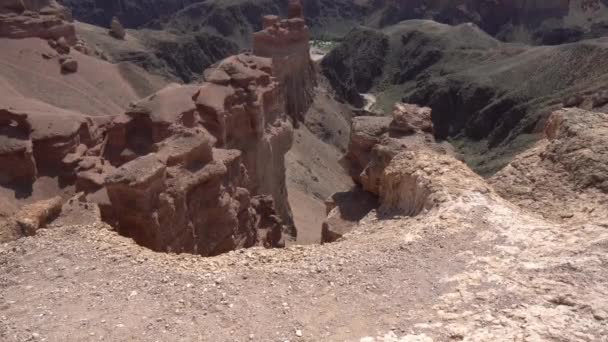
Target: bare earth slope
<point x="99" y="88"/>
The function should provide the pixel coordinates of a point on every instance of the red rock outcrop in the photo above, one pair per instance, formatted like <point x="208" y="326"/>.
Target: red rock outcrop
<point x="44" y="19"/>
<point x="201" y="168"/>
<point x="35" y="137"/>
<point x="286" y="41"/>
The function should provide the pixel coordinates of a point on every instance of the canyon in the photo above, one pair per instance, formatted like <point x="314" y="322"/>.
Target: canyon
<point x="183" y="171"/>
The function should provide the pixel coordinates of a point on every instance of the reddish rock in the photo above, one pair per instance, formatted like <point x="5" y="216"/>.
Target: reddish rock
<point x="201" y="168"/>
<point x="69" y="65"/>
<point x="36" y="138"/>
<point x="248" y="116"/>
<point x="286" y="42"/>
<point x="37" y="215"/>
<point x="295" y="9"/>
<point x="44" y="19"/>
<point x="150" y="121"/>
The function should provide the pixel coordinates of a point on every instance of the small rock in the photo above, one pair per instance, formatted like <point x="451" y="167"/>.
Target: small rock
<point x="63" y="46"/>
<point x="600" y="315"/>
<point x="69" y="65"/>
<point x="299" y="333"/>
<point x="116" y="29"/>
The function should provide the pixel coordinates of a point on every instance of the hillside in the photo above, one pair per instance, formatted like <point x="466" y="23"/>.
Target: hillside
<point x="487" y="95"/>
<point x="543" y="22"/>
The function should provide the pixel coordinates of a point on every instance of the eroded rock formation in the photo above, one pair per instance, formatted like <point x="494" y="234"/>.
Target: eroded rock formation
<point x="40" y="18"/>
<point x="374" y="142"/>
<point x="36" y="137"/>
<point x="286" y="41"/>
<point x="191" y="168"/>
<point x="201" y="168"/>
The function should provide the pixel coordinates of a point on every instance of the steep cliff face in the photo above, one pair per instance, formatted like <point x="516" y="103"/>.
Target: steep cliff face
<point x="286" y="42"/>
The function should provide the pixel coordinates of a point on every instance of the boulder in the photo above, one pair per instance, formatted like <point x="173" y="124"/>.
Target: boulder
<point x="116" y="29"/>
<point x="408" y="119"/>
<point x="37" y="215"/>
<point x="423" y="180"/>
<point x="63" y="46"/>
<point x="69" y="65"/>
<point x="376" y="140"/>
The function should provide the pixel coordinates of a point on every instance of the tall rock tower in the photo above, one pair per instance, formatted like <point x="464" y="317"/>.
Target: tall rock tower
<point x="286" y="42"/>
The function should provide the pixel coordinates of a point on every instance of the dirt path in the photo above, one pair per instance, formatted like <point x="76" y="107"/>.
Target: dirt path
<point x="90" y="284"/>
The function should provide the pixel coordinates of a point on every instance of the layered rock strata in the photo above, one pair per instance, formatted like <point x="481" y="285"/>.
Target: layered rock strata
<point x="44" y="19"/>
<point x="35" y="137"/>
<point x="286" y="42"/>
<point x="201" y="168"/>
